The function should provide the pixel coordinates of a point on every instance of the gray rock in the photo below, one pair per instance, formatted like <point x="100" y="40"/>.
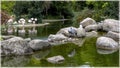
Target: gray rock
<point x="91" y="34"/>
<point x="7" y="37"/>
<point x="38" y="44"/>
<point x="106" y="43"/>
<point x="111" y="25"/>
<point x="81" y="32"/>
<point x="15" y="46"/>
<point x="27" y="39"/>
<point x="87" y="21"/>
<point x="113" y="35"/>
<point x="57" y="37"/>
<point x="100" y="26"/>
<point x="91" y="28"/>
<point x="56" y="59"/>
<point x="65" y="31"/>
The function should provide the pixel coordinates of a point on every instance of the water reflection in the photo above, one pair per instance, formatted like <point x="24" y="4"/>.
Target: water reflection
<point x="14" y="61"/>
<point x="37" y="32"/>
<point x="101" y="51"/>
<point x="72" y="53"/>
<point x="10" y="29"/>
<point x="41" y="54"/>
<point x="33" y="31"/>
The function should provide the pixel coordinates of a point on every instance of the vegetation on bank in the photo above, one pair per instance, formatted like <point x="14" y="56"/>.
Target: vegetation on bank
<point x="78" y="10"/>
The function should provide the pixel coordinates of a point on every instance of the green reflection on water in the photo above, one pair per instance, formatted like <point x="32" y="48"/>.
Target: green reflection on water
<point x="86" y="53"/>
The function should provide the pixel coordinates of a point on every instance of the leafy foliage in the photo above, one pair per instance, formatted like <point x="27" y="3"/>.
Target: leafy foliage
<point x="28" y="9"/>
<point x="61" y="9"/>
<point x="4" y="17"/>
<point x="98" y="10"/>
<point x="7" y="6"/>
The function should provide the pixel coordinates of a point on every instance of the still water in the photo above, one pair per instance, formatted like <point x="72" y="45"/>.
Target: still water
<point x="86" y="55"/>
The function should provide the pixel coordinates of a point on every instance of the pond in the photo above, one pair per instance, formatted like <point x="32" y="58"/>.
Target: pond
<point x="86" y="55"/>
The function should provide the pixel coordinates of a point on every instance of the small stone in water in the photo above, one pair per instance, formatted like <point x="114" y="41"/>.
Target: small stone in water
<point x="56" y="59"/>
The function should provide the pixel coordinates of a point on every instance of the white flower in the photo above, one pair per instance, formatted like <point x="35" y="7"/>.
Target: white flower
<point x="22" y="19"/>
<point x="15" y="22"/>
<point x="35" y="19"/>
<point x="29" y="21"/>
<point x="19" y="22"/>
<point x="10" y="20"/>
<point x="32" y="18"/>
<point x="33" y="22"/>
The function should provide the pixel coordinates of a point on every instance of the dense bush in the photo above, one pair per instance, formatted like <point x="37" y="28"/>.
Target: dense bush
<point x="98" y="10"/>
<point x="59" y="9"/>
<point x="7" y="6"/>
<point x="28" y="9"/>
<point x="4" y="17"/>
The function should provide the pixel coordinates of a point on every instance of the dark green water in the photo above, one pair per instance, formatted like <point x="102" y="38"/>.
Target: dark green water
<point x="85" y="55"/>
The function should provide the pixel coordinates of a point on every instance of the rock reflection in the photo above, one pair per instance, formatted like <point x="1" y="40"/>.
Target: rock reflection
<point x="72" y="53"/>
<point x="101" y="51"/>
<point x="79" y="41"/>
<point x="41" y="54"/>
<point x="14" y="61"/>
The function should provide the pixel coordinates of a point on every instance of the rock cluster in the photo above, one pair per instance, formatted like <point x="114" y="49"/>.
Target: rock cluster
<point x="20" y="46"/>
<point x="12" y="45"/>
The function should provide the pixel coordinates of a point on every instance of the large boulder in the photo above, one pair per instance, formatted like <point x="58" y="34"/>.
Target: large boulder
<point x="56" y="59"/>
<point x="67" y="31"/>
<point x="113" y="35"/>
<point x="81" y="32"/>
<point x="15" y="46"/>
<point x="87" y="21"/>
<point x="91" y="34"/>
<point x="38" y="44"/>
<point x="106" y="43"/>
<point x="111" y="25"/>
<point x="91" y="28"/>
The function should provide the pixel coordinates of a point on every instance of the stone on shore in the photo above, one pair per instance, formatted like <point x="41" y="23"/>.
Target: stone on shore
<point x="111" y="25"/>
<point x="113" y="35"/>
<point x="81" y="32"/>
<point x="91" y="34"/>
<point x="65" y="31"/>
<point x="57" y="37"/>
<point x="91" y="28"/>
<point x="15" y="46"/>
<point x="87" y="21"/>
<point x="37" y="44"/>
